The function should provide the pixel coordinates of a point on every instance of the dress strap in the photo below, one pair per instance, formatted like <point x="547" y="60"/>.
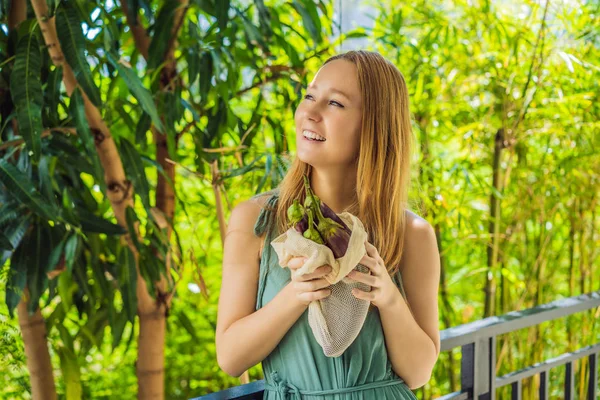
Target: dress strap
<point x="265" y="223"/>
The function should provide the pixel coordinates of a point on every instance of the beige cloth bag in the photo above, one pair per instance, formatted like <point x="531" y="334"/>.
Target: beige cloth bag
<point x="336" y="320"/>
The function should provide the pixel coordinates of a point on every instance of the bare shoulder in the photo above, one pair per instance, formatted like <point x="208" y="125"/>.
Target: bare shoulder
<point x="419" y="240"/>
<point x="242" y="220"/>
<point x="416" y="223"/>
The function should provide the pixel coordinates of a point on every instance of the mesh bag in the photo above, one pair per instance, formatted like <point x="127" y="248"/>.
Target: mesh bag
<point x="337" y="319"/>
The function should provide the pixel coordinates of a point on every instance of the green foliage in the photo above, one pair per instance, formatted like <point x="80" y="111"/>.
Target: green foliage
<point x="475" y="72"/>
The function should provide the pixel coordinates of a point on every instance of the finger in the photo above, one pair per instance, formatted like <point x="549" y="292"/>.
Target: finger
<point x="311" y="286"/>
<point x="370" y="263"/>
<point x="363" y="278"/>
<point x="296" y="262"/>
<point x="312" y="296"/>
<point x="362" y="295"/>
<point x="371" y="250"/>
<point x="318" y="273"/>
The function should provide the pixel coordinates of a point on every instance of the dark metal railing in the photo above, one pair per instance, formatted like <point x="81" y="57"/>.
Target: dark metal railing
<point x="478" y="345"/>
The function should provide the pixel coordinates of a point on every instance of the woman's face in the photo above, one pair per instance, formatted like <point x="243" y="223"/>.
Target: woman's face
<point x="332" y="109"/>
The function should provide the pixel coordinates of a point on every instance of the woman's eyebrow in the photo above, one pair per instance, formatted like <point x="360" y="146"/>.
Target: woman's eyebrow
<point x="334" y="90"/>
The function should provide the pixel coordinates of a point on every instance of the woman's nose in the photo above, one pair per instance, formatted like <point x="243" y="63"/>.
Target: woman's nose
<point x="313" y="113"/>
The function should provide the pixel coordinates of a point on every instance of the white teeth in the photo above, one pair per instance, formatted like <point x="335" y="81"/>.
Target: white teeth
<point x="311" y="135"/>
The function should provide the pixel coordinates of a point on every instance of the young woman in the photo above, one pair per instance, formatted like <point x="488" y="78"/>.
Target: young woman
<point x="353" y="137"/>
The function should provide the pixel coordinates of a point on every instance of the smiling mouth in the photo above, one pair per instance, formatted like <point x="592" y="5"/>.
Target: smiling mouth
<point x="312" y="136"/>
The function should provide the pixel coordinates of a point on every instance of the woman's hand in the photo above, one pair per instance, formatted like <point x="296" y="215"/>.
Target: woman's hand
<point x="383" y="290"/>
<point x="309" y="287"/>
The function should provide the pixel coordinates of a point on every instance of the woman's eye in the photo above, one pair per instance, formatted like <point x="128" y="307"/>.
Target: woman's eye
<point x="308" y="96"/>
<point x="336" y="103"/>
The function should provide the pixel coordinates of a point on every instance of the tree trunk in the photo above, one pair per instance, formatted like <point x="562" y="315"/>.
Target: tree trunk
<point x="33" y="327"/>
<point x="150" y="364"/>
<point x="33" y="330"/>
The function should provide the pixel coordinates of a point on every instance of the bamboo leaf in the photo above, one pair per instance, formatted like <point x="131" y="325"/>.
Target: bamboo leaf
<point x="14" y="231"/>
<point x="53" y="93"/>
<point x="38" y="250"/>
<point x="72" y="42"/>
<point x="26" y="92"/>
<point x="134" y="168"/>
<point x="142" y="95"/>
<point x="22" y="190"/>
<point x="77" y="111"/>
<point x="127" y="280"/>
<point x="117" y="328"/>
<point x="187" y="324"/>
<point x="132" y="218"/>
<point x="268" y="165"/>
<point x="71" y="373"/>
<point x="206" y="74"/>
<point x="17" y="278"/>
<point x="162" y="33"/>
<point x="221" y="10"/>
<point x="90" y="222"/>
<point x="310" y="18"/>
<point x="71" y="251"/>
<point x="141" y="129"/>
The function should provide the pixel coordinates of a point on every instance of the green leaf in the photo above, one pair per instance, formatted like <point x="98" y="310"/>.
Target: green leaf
<point x="72" y="42"/>
<point x="134" y="168"/>
<point x="117" y="328"/>
<point x="206" y="74"/>
<point x="55" y="255"/>
<point x="17" y="278"/>
<point x="310" y="18"/>
<point x="14" y="231"/>
<point x="52" y="93"/>
<point x="38" y="247"/>
<point x="142" y="95"/>
<point x="268" y="165"/>
<point x="141" y="129"/>
<point x="77" y="111"/>
<point x="193" y="61"/>
<point x="71" y="373"/>
<point x="26" y="92"/>
<point x="92" y="223"/>
<point x="5" y="242"/>
<point x="71" y="251"/>
<point x="45" y="169"/>
<point x="187" y="324"/>
<point x="162" y="33"/>
<point x="221" y="10"/>
<point x="128" y="282"/>
<point x="264" y="17"/>
<point x="22" y="190"/>
<point x="131" y="218"/>
<point x="241" y="171"/>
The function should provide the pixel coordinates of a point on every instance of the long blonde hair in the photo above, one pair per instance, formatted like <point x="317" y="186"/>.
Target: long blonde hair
<point x="383" y="172"/>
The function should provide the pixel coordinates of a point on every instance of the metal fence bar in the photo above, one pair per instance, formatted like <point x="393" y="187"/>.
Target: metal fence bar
<point x="455" y="396"/>
<point x="569" y="381"/>
<point x="544" y="385"/>
<point x="546" y="365"/>
<point x="593" y="383"/>
<point x="516" y="390"/>
<point x="249" y="391"/>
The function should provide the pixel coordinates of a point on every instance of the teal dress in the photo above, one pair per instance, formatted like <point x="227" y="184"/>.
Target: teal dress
<point x="297" y="368"/>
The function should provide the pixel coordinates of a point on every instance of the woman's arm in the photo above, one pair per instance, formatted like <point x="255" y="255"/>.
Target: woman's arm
<point x="413" y="339"/>
<point x="244" y="337"/>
